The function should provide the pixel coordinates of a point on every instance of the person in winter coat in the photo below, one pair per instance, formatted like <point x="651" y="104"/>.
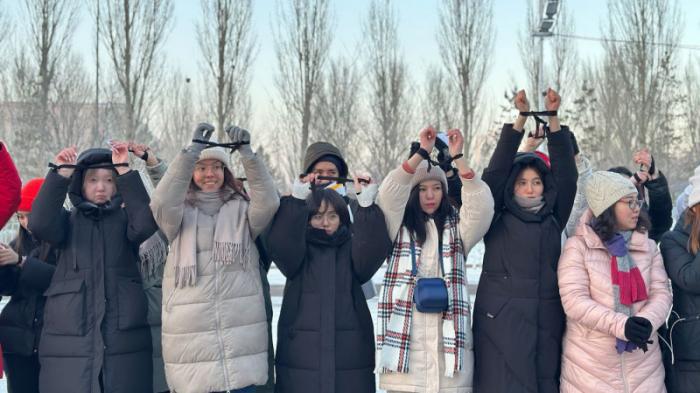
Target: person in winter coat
<point x="152" y="255"/>
<point x="679" y="249"/>
<point x="95" y="336"/>
<point x="325" y="333"/>
<point x="615" y="294"/>
<point x="26" y="268"/>
<point x="428" y="351"/>
<point x="657" y="201"/>
<point x="518" y="317"/>
<point x="11" y="186"/>
<point x="324" y="159"/>
<point x="214" y="324"/>
<point x="444" y="161"/>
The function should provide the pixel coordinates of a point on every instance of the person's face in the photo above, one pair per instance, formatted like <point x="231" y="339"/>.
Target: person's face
<point x="98" y="185"/>
<point x="326" y="218"/>
<point x="627" y="212"/>
<point x="528" y="184"/>
<point x="23" y="218"/>
<point x="209" y="175"/>
<point x="430" y="195"/>
<point x="325" y="168"/>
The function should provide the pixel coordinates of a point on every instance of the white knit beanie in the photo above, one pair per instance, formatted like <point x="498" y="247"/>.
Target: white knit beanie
<point x="422" y="174"/>
<point x="604" y="189"/>
<point x="215" y="153"/>
<point x="694" y="196"/>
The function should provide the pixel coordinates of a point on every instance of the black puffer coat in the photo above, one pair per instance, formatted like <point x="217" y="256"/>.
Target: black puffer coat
<point x="95" y="330"/>
<point x="518" y="317"/>
<point x="22" y="318"/>
<point x="325" y="336"/>
<point x="683" y="269"/>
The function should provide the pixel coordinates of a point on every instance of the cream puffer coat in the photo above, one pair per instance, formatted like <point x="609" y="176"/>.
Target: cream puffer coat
<point x="590" y="362"/>
<point x="214" y="333"/>
<point x="426" y="358"/>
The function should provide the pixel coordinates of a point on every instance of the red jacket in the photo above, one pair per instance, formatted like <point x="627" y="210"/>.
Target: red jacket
<point x="10" y="186"/>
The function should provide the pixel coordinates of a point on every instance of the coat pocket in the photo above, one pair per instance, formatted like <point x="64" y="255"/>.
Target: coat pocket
<point x="489" y="306"/>
<point x="131" y="300"/>
<point x="66" y="309"/>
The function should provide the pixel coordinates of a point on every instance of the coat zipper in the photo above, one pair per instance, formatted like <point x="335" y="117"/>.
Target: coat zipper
<point x="622" y="373"/>
<point x="218" y="327"/>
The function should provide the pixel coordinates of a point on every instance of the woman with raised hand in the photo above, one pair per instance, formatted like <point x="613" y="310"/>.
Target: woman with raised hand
<point x="325" y="333"/>
<point x="95" y="336"/>
<point x="615" y="294"/>
<point x="518" y="316"/>
<point x="424" y="340"/>
<point x="214" y="322"/>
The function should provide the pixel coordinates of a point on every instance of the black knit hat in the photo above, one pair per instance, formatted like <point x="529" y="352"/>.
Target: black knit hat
<point x="324" y="151"/>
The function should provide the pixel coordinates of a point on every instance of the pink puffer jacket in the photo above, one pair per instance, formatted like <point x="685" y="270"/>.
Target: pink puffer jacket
<point x="590" y="362"/>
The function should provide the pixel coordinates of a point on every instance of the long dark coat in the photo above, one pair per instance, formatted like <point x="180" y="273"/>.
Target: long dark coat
<point x="95" y="329"/>
<point x="518" y="317"/>
<point x="325" y="335"/>
<point x="683" y="269"/>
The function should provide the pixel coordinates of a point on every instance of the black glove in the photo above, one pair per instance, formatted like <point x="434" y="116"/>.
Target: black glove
<point x="638" y="330"/>
<point x="574" y="143"/>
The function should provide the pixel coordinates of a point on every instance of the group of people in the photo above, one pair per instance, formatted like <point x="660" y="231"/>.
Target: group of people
<point x="126" y="292"/>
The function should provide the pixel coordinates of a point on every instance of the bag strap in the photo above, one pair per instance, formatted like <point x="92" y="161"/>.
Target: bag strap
<point x="414" y="268"/>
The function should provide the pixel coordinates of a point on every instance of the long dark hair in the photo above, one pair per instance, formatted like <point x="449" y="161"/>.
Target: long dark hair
<point x="332" y="198"/>
<point x="24" y="237"/>
<point x="414" y="218"/>
<point x="605" y="224"/>
<point x="692" y="222"/>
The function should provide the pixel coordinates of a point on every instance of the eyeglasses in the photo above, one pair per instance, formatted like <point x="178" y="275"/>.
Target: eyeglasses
<point x="633" y="204"/>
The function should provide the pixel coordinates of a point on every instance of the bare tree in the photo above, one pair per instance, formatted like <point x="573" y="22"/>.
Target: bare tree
<point x="175" y="115"/>
<point x="466" y="38"/>
<point x="133" y="32"/>
<point x="439" y="102"/>
<point x="529" y="57"/>
<point x="387" y="134"/>
<point x="691" y="89"/>
<point x="562" y="72"/>
<point x="338" y="108"/>
<point x="227" y="44"/>
<point x="638" y="74"/>
<point x="302" y="41"/>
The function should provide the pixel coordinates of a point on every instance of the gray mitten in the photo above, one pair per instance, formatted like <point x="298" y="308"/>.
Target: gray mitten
<point x="240" y="135"/>
<point x="203" y="132"/>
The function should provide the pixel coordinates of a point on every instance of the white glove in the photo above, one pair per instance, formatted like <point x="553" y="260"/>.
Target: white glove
<point x="301" y="190"/>
<point x="367" y="196"/>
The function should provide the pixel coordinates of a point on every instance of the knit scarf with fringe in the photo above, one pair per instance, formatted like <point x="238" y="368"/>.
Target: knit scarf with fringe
<point x="232" y="238"/>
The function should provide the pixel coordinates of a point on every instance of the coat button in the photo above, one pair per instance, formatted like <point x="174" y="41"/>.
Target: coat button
<point x="36" y="319"/>
<point x="35" y="350"/>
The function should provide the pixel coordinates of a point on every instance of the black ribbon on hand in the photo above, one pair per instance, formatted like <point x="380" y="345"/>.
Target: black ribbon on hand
<point x="341" y="179"/>
<point x="539" y="120"/>
<point x="143" y="157"/>
<point x="231" y="145"/>
<point x="82" y="167"/>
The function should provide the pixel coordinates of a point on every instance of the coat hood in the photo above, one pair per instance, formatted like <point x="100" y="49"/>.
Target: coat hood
<point x="90" y="158"/>
<point x="318" y="150"/>
<point x="521" y="161"/>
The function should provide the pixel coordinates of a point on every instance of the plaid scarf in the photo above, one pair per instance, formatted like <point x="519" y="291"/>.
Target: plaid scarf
<point x="396" y="303"/>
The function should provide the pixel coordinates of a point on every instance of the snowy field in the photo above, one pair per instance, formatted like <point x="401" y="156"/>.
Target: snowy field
<point x="277" y="280"/>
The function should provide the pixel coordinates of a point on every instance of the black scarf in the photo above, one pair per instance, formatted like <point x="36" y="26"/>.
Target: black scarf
<point x="320" y="238"/>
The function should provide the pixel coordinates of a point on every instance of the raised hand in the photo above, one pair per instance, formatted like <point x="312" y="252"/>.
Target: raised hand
<point x="552" y="100"/>
<point x="240" y="135"/>
<point x="67" y="156"/>
<point x="520" y="101"/>
<point x="643" y="157"/>
<point x="455" y="142"/>
<point x="203" y="131"/>
<point x="120" y="155"/>
<point x="426" y="138"/>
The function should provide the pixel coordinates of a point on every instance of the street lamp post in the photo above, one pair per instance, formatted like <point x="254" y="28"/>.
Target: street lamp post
<point x="549" y="10"/>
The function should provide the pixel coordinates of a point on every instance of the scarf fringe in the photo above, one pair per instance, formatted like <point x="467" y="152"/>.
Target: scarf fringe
<point x="226" y="253"/>
<point x="153" y="253"/>
<point x="185" y="276"/>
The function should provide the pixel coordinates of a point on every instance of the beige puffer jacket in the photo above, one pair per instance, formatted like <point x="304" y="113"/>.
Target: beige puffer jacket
<point x="214" y="333"/>
<point x="426" y="358"/>
<point x="590" y="362"/>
